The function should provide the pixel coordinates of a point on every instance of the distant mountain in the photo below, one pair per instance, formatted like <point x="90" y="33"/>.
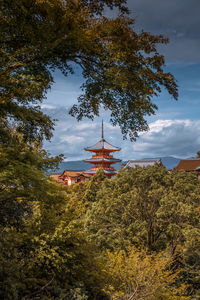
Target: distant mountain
<point x="168" y="162"/>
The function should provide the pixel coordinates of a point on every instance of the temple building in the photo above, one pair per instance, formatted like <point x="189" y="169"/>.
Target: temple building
<point x="189" y="165"/>
<point x="143" y="163"/>
<point x="70" y="177"/>
<point x="102" y="157"/>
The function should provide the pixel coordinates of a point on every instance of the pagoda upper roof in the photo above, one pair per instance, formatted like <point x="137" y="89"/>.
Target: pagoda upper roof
<point x="102" y="145"/>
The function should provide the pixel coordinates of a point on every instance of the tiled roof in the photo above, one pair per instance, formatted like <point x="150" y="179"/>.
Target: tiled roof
<point x="102" y="144"/>
<point x="189" y="164"/>
<point x="103" y="159"/>
<point x="142" y="163"/>
<point x="73" y="173"/>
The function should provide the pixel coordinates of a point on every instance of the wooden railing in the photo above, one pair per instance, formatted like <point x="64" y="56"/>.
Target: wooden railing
<point x="103" y="167"/>
<point x="102" y="156"/>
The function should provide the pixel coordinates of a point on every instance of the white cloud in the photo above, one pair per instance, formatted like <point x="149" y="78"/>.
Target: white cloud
<point x="48" y="106"/>
<point x="179" y="138"/>
<point x="72" y="139"/>
<point x="86" y="126"/>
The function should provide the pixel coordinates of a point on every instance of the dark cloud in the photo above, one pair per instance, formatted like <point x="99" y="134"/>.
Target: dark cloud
<point x="177" y="19"/>
<point x="175" y="16"/>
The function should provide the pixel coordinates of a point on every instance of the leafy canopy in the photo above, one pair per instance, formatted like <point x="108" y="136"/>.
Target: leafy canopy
<point x="87" y="241"/>
<point x="122" y="69"/>
<point x="138" y="275"/>
<point x="145" y="206"/>
<point x="152" y="209"/>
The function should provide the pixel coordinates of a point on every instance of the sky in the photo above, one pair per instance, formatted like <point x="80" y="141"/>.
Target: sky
<point x="174" y="130"/>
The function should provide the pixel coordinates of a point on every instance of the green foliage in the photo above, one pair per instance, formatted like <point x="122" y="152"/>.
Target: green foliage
<point x="93" y="186"/>
<point x="49" y="264"/>
<point x="152" y="209"/>
<point x="121" y="68"/>
<point x="60" y="248"/>
<point x="22" y="179"/>
<point x="44" y="252"/>
<point x="138" y="275"/>
<point x="145" y="206"/>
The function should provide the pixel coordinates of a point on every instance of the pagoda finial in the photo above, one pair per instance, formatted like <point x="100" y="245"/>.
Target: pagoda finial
<point x="102" y="133"/>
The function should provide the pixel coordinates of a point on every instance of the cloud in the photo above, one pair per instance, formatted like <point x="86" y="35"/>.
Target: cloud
<point x="176" y="16"/>
<point x="48" y="106"/>
<point x="70" y="136"/>
<point x="176" y="19"/>
<point x="179" y="138"/>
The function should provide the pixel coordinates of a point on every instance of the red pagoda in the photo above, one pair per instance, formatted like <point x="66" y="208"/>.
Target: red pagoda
<point x="102" y="157"/>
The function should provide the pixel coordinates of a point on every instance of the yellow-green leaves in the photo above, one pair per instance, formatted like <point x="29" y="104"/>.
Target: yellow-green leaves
<point x="137" y="275"/>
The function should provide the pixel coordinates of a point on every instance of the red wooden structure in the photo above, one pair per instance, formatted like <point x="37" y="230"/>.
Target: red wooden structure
<point x="102" y="157"/>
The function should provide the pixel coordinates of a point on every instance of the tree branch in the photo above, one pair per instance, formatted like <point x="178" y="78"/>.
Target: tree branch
<point x="40" y="290"/>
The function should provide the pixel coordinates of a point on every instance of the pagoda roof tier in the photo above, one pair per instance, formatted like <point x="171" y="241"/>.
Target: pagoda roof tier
<point x="102" y="145"/>
<point x="103" y="159"/>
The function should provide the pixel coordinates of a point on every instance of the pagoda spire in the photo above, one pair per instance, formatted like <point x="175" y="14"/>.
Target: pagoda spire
<point x="102" y="132"/>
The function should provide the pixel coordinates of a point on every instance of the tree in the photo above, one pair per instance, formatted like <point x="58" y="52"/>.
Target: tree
<point x="44" y="251"/>
<point x="153" y="209"/>
<point x="122" y="69"/>
<point x="136" y="275"/>
<point x="145" y="206"/>
<point x="23" y="178"/>
<point x="49" y="258"/>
